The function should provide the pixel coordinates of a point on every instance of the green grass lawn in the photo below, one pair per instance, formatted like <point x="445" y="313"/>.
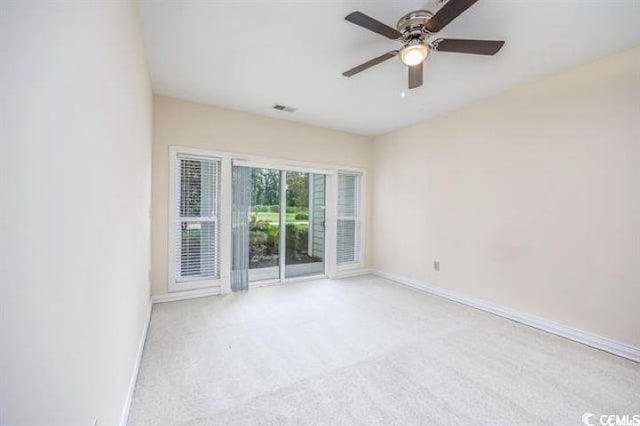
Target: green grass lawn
<point x="275" y="217"/>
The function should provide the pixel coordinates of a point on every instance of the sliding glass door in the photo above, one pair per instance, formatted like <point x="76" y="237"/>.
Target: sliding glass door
<point x="286" y="225"/>
<point x="305" y="224"/>
<point x="264" y="225"/>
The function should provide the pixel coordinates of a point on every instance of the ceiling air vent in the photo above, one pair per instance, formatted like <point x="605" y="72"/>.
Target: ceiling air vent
<point x="283" y="108"/>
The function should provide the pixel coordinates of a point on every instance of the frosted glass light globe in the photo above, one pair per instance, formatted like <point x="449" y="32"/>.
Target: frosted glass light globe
<point x="414" y="54"/>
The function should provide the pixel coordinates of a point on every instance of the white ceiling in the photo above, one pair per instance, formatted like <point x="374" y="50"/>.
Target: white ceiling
<point x="248" y="55"/>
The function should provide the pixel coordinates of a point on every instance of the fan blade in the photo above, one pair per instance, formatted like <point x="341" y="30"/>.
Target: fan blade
<point x="370" y="63"/>
<point x="415" y="76"/>
<point x="371" y="24"/>
<point x="476" y="47"/>
<point x="448" y="13"/>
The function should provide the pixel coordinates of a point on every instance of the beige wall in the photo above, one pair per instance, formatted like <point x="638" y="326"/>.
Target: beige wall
<point x="74" y="220"/>
<point x="183" y="123"/>
<point x="530" y="199"/>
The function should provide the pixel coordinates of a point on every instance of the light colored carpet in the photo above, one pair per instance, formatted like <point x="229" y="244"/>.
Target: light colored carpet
<point x="365" y="351"/>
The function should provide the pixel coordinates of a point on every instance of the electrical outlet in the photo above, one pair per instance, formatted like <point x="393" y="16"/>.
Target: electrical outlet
<point x="436" y="265"/>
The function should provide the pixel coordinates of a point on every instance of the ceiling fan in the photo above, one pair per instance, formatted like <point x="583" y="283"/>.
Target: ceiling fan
<point x="414" y="31"/>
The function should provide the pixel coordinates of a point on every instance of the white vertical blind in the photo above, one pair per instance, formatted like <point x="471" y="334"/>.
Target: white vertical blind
<point x="348" y="231"/>
<point x="196" y="212"/>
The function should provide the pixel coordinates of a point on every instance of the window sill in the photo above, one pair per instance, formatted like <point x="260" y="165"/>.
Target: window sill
<point x="193" y="284"/>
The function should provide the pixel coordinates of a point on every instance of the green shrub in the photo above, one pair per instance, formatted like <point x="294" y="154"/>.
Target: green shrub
<point x="273" y="232"/>
<point x="274" y="209"/>
<point x="258" y="244"/>
<point x="291" y="210"/>
<point x="301" y="216"/>
<point x="297" y="239"/>
<point x="261" y="209"/>
<point x="263" y="238"/>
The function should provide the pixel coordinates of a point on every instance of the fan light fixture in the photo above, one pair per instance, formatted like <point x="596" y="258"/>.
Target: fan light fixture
<point x="415" y="31"/>
<point x="414" y="54"/>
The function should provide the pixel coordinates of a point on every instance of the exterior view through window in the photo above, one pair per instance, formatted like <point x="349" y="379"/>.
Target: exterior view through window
<point x="264" y="229"/>
<point x="300" y="208"/>
<point x="305" y="224"/>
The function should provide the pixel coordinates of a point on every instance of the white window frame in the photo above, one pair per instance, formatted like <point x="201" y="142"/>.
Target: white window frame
<point x="223" y="283"/>
<point x="360" y="220"/>
<point x="222" y="222"/>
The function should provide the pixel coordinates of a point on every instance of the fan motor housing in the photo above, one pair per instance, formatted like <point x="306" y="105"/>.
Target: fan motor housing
<point x="413" y="25"/>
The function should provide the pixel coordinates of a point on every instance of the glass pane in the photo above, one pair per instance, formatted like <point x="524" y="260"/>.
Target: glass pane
<point x="346" y="240"/>
<point x="264" y="229"/>
<point x="198" y="188"/>
<point x="305" y="224"/>
<point x="347" y="195"/>
<point x="196" y="210"/>
<point x="198" y="256"/>
<point x="347" y="229"/>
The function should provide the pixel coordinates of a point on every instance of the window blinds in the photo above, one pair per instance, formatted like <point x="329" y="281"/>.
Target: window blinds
<point x="196" y="213"/>
<point x="348" y="218"/>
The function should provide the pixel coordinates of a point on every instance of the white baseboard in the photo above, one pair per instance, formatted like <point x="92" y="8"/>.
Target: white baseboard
<point x="589" y="339"/>
<point x="136" y="368"/>
<point x="187" y="294"/>
<point x="353" y="273"/>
